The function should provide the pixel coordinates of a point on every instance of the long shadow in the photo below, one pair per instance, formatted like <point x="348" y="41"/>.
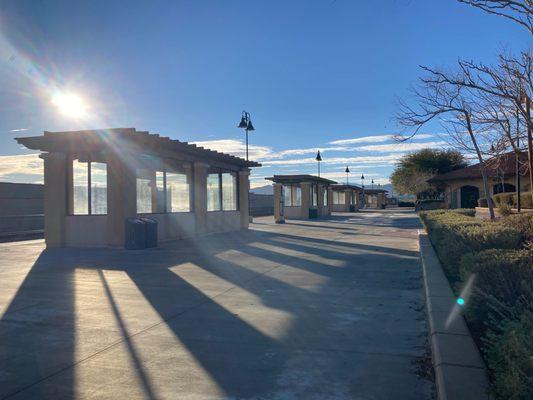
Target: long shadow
<point x="241" y="359"/>
<point x="37" y="333"/>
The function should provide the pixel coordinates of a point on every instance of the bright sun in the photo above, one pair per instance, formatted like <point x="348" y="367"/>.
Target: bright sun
<point x="69" y="105"/>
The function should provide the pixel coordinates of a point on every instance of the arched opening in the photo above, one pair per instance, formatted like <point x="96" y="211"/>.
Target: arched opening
<point x="503" y="188"/>
<point x="469" y="196"/>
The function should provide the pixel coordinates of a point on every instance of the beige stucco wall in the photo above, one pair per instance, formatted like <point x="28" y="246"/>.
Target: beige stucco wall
<point x="86" y="230"/>
<point x="456" y="185"/>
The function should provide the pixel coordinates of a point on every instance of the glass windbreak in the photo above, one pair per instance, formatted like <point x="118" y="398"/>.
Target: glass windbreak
<point x="296" y="196"/>
<point x="314" y="195"/>
<point x="287" y="195"/>
<point x="144" y="192"/>
<point x="98" y="188"/>
<point x="80" y="188"/>
<point x="178" y="193"/>
<point x="213" y="192"/>
<point x="229" y="191"/>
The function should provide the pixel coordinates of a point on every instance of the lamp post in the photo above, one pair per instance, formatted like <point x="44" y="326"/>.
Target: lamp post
<point x="363" y="186"/>
<point x="246" y="124"/>
<point x="318" y="159"/>
<point x="347" y="172"/>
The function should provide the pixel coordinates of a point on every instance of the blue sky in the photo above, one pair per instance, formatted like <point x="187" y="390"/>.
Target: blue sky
<point x="313" y="74"/>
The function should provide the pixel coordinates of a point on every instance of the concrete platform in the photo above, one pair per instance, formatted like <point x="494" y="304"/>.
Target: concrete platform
<point x="327" y="309"/>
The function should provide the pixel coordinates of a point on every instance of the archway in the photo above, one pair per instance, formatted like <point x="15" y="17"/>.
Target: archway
<point x="503" y="188"/>
<point x="469" y="196"/>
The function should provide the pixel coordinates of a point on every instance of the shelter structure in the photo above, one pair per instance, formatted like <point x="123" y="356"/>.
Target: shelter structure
<point x="345" y="198"/>
<point x="94" y="180"/>
<point x="375" y="198"/>
<point x="301" y="197"/>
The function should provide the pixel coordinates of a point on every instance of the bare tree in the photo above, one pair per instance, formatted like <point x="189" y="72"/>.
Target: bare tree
<point x="510" y="81"/>
<point x="519" y="11"/>
<point x="440" y="98"/>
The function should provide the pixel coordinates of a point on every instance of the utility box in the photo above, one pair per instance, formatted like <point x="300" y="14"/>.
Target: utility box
<point x="135" y="234"/>
<point x="151" y="232"/>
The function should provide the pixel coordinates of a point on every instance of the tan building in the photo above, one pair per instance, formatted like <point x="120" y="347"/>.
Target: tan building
<point x="96" y="179"/>
<point x="375" y="198"/>
<point x="345" y="198"/>
<point x="463" y="187"/>
<point x="301" y="197"/>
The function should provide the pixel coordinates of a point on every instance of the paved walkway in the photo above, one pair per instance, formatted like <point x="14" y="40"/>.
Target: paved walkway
<point x="329" y="309"/>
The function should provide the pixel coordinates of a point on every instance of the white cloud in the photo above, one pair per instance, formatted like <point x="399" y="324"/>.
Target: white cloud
<point x="383" y="159"/>
<point x="19" y="130"/>
<point x="401" y="147"/>
<point x="374" y="139"/>
<point x="26" y="168"/>
<point x="236" y="148"/>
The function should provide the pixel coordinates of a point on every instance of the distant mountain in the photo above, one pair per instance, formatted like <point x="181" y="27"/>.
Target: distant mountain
<point x="267" y="189"/>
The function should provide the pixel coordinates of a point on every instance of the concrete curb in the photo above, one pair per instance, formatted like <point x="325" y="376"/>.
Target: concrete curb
<point x="460" y="372"/>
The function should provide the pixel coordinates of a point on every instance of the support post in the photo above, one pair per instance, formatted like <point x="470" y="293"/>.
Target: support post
<point x="244" y="200"/>
<point x="305" y="188"/>
<point x="200" y="197"/>
<point x="121" y="198"/>
<point x="55" y="198"/>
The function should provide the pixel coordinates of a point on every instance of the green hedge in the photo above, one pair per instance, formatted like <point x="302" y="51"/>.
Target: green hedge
<point x="499" y="307"/>
<point x="502" y="279"/>
<point x="509" y="358"/>
<point x="510" y="199"/>
<point x="457" y="233"/>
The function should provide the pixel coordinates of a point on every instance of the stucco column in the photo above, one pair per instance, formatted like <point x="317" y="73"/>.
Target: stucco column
<point x="330" y="201"/>
<point x="306" y="199"/>
<point x="244" y="193"/>
<point x="279" y="215"/>
<point x="55" y="198"/>
<point x="200" y="197"/>
<point x="320" y="199"/>
<point x="121" y="198"/>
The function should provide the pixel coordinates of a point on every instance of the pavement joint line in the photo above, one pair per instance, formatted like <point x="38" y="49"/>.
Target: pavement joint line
<point x="441" y="364"/>
<point x="114" y="344"/>
<point x="449" y="333"/>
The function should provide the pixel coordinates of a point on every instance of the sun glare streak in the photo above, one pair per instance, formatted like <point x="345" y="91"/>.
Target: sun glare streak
<point x="461" y="301"/>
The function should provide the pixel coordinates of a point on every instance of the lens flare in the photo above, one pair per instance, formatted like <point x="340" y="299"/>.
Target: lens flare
<point x="70" y="105"/>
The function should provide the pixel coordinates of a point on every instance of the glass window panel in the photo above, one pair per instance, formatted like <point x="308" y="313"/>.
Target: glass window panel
<point x="287" y="195"/>
<point x="229" y="191"/>
<point x="178" y="193"/>
<point x="144" y="192"/>
<point x="98" y="188"/>
<point x="342" y="198"/>
<point x="213" y="192"/>
<point x="159" y="192"/>
<point x="80" y="185"/>
<point x="325" y="196"/>
<point x="314" y="195"/>
<point x="297" y="196"/>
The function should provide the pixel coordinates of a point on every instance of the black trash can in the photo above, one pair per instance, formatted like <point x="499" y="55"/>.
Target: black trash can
<point x="135" y="234"/>
<point x="352" y="208"/>
<point x="151" y="232"/>
<point x="313" y="213"/>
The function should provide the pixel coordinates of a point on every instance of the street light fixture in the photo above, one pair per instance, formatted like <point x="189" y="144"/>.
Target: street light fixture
<point x="347" y="172"/>
<point x="246" y="124"/>
<point x="372" y="184"/>
<point x="318" y="159"/>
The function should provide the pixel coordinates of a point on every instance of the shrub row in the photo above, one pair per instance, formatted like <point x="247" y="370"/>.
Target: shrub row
<point x="455" y="233"/>
<point x="495" y="256"/>
<point x="500" y="315"/>
<point x="510" y="199"/>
